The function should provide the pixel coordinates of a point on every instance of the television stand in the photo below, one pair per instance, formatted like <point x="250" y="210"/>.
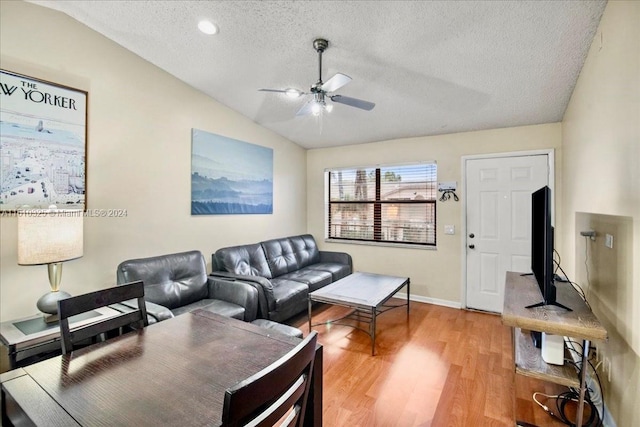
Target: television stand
<point x="580" y="323"/>
<point x="542" y="304"/>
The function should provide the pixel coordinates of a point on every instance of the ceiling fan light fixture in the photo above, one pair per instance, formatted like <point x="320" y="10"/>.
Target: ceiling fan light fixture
<point x="208" y="27"/>
<point x="292" y="93"/>
<point x="316" y="108"/>
<point x="328" y="107"/>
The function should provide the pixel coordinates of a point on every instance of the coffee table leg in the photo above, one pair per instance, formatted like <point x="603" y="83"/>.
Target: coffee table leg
<point x="408" y="293"/>
<point x="309" y="315"/>
<point x="374" y="311"/>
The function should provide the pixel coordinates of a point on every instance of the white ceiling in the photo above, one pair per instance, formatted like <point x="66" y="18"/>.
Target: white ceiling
<point x="431" y="67"/>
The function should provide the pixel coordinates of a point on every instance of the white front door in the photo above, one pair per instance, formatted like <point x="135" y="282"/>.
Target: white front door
<point x="498" y="223"/>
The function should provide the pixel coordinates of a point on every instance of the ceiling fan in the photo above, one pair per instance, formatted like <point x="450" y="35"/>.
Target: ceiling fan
<point x="323" y="90"/>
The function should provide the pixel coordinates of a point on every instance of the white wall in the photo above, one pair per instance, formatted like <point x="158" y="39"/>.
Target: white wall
<point x="601" y="144"/>
<point x="435" y="274"/>
<point x="139" y="157"/>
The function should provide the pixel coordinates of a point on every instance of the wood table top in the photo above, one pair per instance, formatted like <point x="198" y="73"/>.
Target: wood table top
<point x="171" y="373"/>
<point x="521" y="291"/>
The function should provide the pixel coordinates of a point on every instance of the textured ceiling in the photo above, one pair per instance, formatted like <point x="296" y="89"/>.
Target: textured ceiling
<point x="431" y="67"/>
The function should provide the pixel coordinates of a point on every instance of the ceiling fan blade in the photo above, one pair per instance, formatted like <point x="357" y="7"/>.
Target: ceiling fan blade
<point x="306" y="109"/>
<point x="290" y="92"/>
<point x="271" y="90"/>
<point x="353" y="102"/>
<point x="335" y="82"/>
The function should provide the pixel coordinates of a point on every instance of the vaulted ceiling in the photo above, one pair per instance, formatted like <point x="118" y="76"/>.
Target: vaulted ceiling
<point x="430" y="67"/>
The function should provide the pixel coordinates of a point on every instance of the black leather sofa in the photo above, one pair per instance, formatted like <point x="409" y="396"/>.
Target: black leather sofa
<point x="178" y="283"/>
<point x="283" y="271"/>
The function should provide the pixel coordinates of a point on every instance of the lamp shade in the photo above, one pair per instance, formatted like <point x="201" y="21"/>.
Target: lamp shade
<point x="49" y="236"/>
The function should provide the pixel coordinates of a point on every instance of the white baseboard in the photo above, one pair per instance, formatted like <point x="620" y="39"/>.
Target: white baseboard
<point x="435" y="301"/>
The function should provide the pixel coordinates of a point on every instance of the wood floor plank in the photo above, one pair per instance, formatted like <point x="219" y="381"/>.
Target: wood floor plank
<point x="441" y="367"/>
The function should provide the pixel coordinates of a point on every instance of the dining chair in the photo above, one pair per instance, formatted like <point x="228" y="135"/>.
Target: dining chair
<point x="83" y="303"/>
<point x="279" y="392"/>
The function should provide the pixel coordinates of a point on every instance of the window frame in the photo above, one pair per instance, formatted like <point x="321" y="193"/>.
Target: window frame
<point x="378" y="204"/>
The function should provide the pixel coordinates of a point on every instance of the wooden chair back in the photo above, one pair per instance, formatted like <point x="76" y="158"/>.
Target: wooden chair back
<point x="276" y="394"/>
<point x="83" y="303"/>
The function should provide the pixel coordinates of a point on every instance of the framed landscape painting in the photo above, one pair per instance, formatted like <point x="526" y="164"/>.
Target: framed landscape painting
<point x="229" y="176"/>
<point x="43" y="144"/>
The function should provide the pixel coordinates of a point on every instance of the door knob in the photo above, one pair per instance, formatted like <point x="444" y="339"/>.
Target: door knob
<point x="472" y="246"/>
<point x="472" y="235"/>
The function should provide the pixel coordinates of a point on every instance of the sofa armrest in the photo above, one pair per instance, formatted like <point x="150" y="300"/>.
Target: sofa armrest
<point x="237" y="292"/>
<point x="266" y="300"/>
<point x="337" y="257"/>
<point x="155" y="312"/>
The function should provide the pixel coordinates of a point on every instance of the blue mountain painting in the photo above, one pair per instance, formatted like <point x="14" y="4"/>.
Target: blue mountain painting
<point x="230" y="176"/>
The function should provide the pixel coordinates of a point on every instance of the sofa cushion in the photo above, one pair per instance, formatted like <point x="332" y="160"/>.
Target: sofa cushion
<point x="172" y="280"/>
<point x="280" y="256"/>
<point x="314" y="279"/>
<point x="338" y="271"/>
<point x="305" y="250"/>
<point x="290" y="297"/>
<point x="247" y="260"/>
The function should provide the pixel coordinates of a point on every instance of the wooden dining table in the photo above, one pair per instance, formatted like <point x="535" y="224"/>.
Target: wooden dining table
<point x="173" y="373"/>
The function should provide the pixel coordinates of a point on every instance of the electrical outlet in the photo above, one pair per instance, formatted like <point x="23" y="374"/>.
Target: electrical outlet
<point x="608" y="241"/>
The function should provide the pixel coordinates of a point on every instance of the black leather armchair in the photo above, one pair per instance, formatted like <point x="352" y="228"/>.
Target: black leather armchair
<point x="178" y="283"/>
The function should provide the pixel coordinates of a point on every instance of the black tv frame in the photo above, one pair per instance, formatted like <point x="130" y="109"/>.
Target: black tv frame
<point x="542" y="247"/>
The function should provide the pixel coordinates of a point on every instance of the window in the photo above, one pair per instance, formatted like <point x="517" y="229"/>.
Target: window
<point x="389" y="204"/>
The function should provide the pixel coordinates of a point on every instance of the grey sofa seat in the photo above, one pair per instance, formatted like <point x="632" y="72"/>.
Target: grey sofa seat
<point x="314" y="279"/>
<point x="178" y="283"/>
<point x="283" y="271"/>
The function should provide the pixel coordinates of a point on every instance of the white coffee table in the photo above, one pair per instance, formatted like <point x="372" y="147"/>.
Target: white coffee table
<point x="366" y="294"/>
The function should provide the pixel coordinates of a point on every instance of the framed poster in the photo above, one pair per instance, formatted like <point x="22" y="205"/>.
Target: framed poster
<point x="43" y="144"/>
<point x="229" y="176"/>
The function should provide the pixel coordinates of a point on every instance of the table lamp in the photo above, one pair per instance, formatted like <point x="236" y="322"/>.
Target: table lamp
<point x="50" y="236"/>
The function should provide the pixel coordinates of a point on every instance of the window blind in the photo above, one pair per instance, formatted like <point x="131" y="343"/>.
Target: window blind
<point x="392" y="204"/>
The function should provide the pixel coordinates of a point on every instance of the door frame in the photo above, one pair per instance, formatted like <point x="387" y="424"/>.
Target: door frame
<point x="550" y="153"/>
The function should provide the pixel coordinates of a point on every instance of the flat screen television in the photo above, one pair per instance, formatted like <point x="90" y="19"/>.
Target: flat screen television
<point x="542" y="247"/>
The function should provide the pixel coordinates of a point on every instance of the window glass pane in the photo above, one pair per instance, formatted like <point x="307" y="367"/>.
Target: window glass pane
<point x="414" y="182"/>
<point x="408" y="222"/>
<point x="351" y="185"/>
<point x="351" y="221"/>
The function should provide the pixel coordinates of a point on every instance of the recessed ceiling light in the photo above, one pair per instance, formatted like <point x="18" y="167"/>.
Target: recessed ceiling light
<point x="207" y="27"/>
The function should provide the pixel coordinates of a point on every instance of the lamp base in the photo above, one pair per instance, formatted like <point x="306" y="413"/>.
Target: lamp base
<point x="48" y="303"/>
<point x="50" y="318"/>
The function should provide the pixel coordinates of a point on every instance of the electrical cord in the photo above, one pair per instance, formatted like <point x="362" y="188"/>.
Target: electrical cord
<point x="574" y="284"/>
<point x="561" y="402"/>
<point x="573" y="395"/>
<point x="586" y="262"/>
<point x="593" y="368"/>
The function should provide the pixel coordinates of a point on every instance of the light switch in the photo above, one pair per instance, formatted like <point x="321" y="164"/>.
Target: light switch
<point x="449" y="229"/>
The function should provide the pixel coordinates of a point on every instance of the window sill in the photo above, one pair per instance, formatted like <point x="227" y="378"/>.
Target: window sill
<point x="389" y="245"/>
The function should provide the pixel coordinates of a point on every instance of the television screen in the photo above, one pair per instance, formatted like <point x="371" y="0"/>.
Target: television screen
<point x="542" y="246"/>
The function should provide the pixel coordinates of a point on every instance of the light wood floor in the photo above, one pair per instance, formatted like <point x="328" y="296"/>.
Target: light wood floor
<point x="439" y="367"/>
